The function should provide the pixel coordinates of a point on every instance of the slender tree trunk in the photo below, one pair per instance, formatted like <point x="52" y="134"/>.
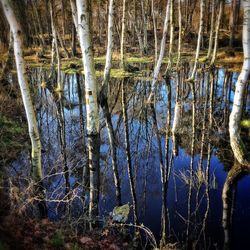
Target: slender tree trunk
<point x="25" y="91"/>
<point x="155" y="31"/>
<point x="129" y="160"/>
<point x="41" y="35"/>
<point x="216" y="38"/>
<point x="232" y="22"/>
<point x="180" y="33"/>
<point x="144" y="6"/>
<point x="91" y="104"/>
<point x="36" y="166"/>
<point x="202" y="9"/>
<point x="210" y="45"/>
<point x="171" y="40"/>
<point x="161" y="55"/>
<point x="237" y="145"/>
<point x="123" y="34"/>
<point x="74" y="14"/>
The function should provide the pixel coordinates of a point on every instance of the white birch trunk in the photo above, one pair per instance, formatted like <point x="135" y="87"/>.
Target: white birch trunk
<point x="180" y="33"/>
<point x="211" y="31"/>
<point x="161" y="55"/>
<point x="74" y="14"/>
<point x="123" y="33"/>
<point x="202" y="7"/>
<point x="91" y="103"/>
<point x="171" y="39"/>
<point x="110" y="45"/>
<point x="25" y="91"/>
<point x="237" y="144"/>
<point x="155" y="31"/>
<point x="216" y="38"/>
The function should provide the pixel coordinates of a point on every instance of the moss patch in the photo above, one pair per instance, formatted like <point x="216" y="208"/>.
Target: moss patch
<point x="11" y="138"/>
<point x="245" y="124"/>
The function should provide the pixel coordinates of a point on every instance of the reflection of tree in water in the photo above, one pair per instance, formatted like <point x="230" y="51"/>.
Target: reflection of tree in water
<point x="236" y="173"/>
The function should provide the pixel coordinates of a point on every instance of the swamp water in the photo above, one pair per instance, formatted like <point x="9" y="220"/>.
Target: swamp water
<point x="196" y="167"/>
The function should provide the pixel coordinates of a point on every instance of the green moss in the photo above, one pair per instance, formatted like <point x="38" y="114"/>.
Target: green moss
<point x="10" y="137"/>
<point x="245" y="123"/>
<point x="58" y="239"/>
<point x="11" y="127"/>
<point x="3" y="246"/>
<point x="141" y="59"/>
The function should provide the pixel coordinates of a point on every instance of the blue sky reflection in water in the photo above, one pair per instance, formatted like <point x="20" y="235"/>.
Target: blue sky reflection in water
<point x="145" y="159"/>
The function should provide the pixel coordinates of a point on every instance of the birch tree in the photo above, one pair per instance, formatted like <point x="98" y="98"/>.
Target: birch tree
<point x="210" y="45"/>
<point x="179" y="34"/>
<point x="123" y="34"/>
<point x="216" y="38"/>
<point x="237" y="145"/>
<point x="161" y="55"/>
<point x="25" y="91"/>
<point x="91" y="103"/>
<point x="202" y="8"/>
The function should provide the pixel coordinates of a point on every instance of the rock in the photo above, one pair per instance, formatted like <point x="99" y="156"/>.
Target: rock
<point x="120" y="214"/>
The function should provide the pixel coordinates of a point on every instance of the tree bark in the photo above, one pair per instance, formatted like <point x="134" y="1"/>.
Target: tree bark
<point x="161" y="55"/>
<point x="180" y="33"/>
<point x="91" y="103"/>
<point x="210" y="45"/>
<point x="202" y="5"/>
<point x="232" y="22"/>
<point x="25" y="91"/>
<point x="237" y="145"/>
<point x="123" y="34"/>
<point x="216" y="38"/>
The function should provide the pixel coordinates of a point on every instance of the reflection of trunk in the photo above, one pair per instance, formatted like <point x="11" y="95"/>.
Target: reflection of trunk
<point x="238" y="147"/>
<point x="59" y="104"/>
<point x="175" y="127"/>
<point x="227" y="198"/>
<point x="79" y="92"/>
<point x="163" y="180"/>
<point x="104" y="103"/>
<point x="129" y="160"/>
<point x="26" y="97"/>
<point x="203" y="126"/>
<point x="91" y="104"/>
<point x="161" y="55"/>
<point x="191" y="165"/>
<point x="207" y="172"/>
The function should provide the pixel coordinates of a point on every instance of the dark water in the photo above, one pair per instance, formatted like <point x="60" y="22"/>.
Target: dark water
<point x="196" y="205"/>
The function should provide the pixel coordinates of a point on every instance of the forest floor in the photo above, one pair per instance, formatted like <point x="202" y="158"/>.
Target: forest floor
<point x="21" y="233"/>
